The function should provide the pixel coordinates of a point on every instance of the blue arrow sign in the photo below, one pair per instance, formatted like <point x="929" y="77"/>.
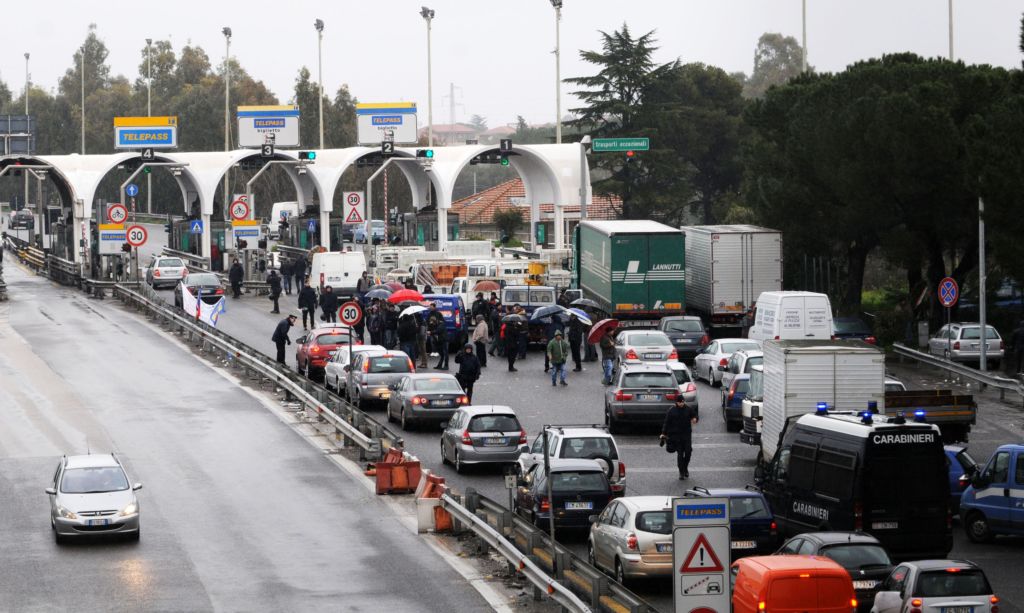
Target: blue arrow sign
<point x="195" y="226"/>
<point x="311" y="226"/>
<point x="132" y="190"/>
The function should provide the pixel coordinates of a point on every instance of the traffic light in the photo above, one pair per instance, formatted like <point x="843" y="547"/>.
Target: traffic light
<point x="630" y="155"/>
<point x="307" y="156"/>
<point x="126" y="247"/>
<point x="504" y="160"/>
<point x="147" y="170"/>
<point x="425" y="153"/>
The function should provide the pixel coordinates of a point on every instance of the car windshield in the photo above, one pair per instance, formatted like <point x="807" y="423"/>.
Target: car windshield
<point x="734" y="347"/>
<point x="578" y="481"/>
<point x="334" y="338"/>
<point x="93" y="480"/>
<point x="850" y="326"/>
<point x="647" y="340"/>
<point x="513" y="296"/>
<point x="684" y="325"/>
<point x="436" y="385"/>
<point x="169" y="263"/>
<point x="392" y="363"/>
<point x="658" y="522"/>
<point x="494" y="423"/>
<point x="542" y="296"/>
<point x="974" y="333"/>
<point x="856" y="556"/>
<point x="203" y="278"/>
<point x="748" y="507"/>
<point x="648" y="379"/>
<point x="682" y="376"/>
<point x="753" y="361"/>
<point x="944" y="584"/>
<point x="590" y="447"/>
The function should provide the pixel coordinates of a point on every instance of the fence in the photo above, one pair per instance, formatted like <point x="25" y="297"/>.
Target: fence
<point x="1003" y="384"/>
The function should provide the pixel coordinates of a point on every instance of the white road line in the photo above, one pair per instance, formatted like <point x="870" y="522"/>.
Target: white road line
<point x="697" y="469"/>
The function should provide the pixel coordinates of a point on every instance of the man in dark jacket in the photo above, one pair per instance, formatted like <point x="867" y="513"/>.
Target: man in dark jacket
<point x="300" y="270"/>
<point x="375" y="325"/>
<point x="274" y="280"/>
<point x="576" y="330"/>
<point x="677" y="432"/>
<point x="307" y="302"/>
<point x="439" y="337"/>
<point x="469" y="369"/>
<point x="362" y="286"/>
<point x="287" y="271"/>
<point x="329" y="305"/>
<point x="514" y="329"/>
<point x="235" y="275"/>
<point x="407" y="335"/>
<point x="480" y="307"/>
<point x="390" y="325"/>
<point x="280" y="336"/>
<point x="608" y="354"/>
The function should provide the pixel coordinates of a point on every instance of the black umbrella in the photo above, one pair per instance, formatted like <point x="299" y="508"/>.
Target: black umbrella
<point x="585" y="302"/>
<point x="547" y="312"/>
<point x="513" y="317"/>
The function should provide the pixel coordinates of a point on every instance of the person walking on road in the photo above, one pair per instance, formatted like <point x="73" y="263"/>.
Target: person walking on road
<point x="407" y="335"/>
<point x="421" y="340"/>
<point x="550" y="329"/>
<point x="480" y="306"/>
<point x="300" y="270"/>
<point x="1017" y="340"/>
<point x="557" y="353"/>
<point x="307" y="303"/>
<point x="576" y="330"/>
<point x="235" y="276"/>
<point x="469" y="370"/>
<point x="362" y="286"/>
<point x="329" y="305"/>
<point x="274" y="280"/>
<point x="280" y="336"/>
<point x="514" y="329"/>
<point x="677" y="433"/>
<point x="480" y="340"/>
<point x="439" y="337"/>
<point x="390" y="325"/>
<point x="287" y="270"/>
<point x="608" y="355"/>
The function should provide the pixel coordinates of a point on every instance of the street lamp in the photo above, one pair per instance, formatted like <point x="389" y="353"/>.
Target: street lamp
<point x="428" y="16"/>
<point x="227" y="84"/>
<point x="149" y="113"/>
<point x="83" y="99"/>
<point x="28" y="148"/>
<point x="558" y="70"/>
<point x="950" y="30"/>
<point x="319" y="25"/>
<point x="803" y="54"/>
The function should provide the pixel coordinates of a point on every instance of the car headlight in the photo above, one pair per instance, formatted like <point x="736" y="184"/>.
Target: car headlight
<point x="131" y="509"/>
<point x="66" y="514"/>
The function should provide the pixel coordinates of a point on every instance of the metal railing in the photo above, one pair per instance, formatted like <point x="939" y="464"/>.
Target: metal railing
<point x="63" y="271"/>
<point x="1003" y="384"/>
<point x="195" y="262"/>
<point x="351" y="426"/>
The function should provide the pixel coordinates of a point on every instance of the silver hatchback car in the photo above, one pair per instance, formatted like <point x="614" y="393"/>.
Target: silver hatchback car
<point x="644" y="345"/>
<point x="632" y="538"/>
<point x="640" y="393"/>
<point x="371" y="375"/>
<point x="91" y="494"/>
<point x="482" y="434"/>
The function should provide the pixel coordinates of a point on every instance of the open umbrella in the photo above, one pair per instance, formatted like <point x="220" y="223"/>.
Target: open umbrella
<point x="546" y="312"/>
<point x="600" y="328"/>
<point x="412" y="310"/>
<point x="582" y="316"/>
<point x="382" y="287"/>
<point x="513" y="317"/>
<point x="586" y="303"/>
<point x="382" y="294"/>
<point x="409" y="303"/>
<point x="394" y="286"/>
<point x="487" y="286"/>
<point x="405" y="294"/>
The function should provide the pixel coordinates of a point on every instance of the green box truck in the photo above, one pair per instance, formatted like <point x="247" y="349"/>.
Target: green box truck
<point x="634" y="269"/>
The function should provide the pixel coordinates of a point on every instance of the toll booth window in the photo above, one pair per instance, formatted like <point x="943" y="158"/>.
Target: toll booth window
<point x="801" y="466"/>
<point x="833" y="474"/>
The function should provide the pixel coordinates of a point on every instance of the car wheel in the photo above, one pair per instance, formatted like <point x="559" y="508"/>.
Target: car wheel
<point x="444" y="457"/>
<point x="406" y="423"/>
<point x="978" y="529"/>
<point x="59" y="538"/>
<point x="459" y="466"/>
<point x="590" y="555"/>
<point x="620" y="573"/>
<point x="711" y="378"/>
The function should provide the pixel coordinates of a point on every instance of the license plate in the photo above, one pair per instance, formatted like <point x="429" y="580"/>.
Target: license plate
<point x="664" y="547"/>
<point x="744" y="544"/>
<point x="652" y="356"/>
<point x="648" y="397"/>
<point x="99" y="522"/>
<point x="957" y="609"/>
<point x="688" y="340"/>
<point x="884" y="525"/>
<point x="441" y="403"/>
<point x="579" y="506"/>
<point x="495" y="441"/>
<point x="864" y="585"/>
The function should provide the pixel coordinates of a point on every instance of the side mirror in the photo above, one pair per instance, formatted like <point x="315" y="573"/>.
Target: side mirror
<point x="723" y="368"/>
<point x="980" y="480"/>
<point x="51" y="491"/>
<point x="592" y="519"/>
<point x="444" y="425"/>
<point x="759" y="474"/>
<point x="136" y="487"/>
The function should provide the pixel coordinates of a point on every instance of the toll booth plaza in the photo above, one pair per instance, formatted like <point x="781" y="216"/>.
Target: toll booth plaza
<point x="700" y="555"/>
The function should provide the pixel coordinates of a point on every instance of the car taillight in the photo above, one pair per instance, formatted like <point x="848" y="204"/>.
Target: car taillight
<point x="723" y="362"/>
<point x="622" y="470"/>
<point x="463" y="400"/>
<point x="760" y="605"/>
<point x="994" y="601"/>
<point x="704" y="340"/>
<point x="631" y="355"/>
<point x="964" y="480"/>
<point x="774" y="527"/>
<point x="219" y="291"/>
<point x="458" y="317"/>
<point x="732" y="391"/>
<point x="777" y="337"/>
<point x="466" y="438"/>
<point x="544" y="503"/>
<point x="858" y="515"/>
<point x="620" y="396"/>
<point x="671" y="396"/>
<point x="871" y="340"/>
<point x="156" y="272"/>
<point x="522" y="437"/>
<point x="418" y="400"/>
<point x="853" y="603"/>
<point x="366" y="366"/>
<point x="412" y="368"/>
<point x="690" y="388"/>
<point x="956" y="345"/>
<point x="915" y="605"/>
<point x="632" y="542"/>
<point x="674" y="355"/>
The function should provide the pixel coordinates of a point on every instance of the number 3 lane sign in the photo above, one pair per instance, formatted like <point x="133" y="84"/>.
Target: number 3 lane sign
<point x="136" y="236"/>
<point x="351" y="313"/>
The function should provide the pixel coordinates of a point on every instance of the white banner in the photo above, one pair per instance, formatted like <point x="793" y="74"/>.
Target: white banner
<point x="197" y="309"/>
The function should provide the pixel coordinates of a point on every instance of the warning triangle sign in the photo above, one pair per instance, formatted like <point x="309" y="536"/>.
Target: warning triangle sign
<point x="354" y="216"/>
<point x="702" y="558"/>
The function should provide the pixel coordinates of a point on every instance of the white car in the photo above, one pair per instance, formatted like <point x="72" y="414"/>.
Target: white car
<point x="335" y="374"/>
<point x="579" y="442"/>
<point x="739" y="363"/>
<point x="687" y="386"/>
<point x="943" y="586"/>
<point x="716" y="354"/>
<point x="164" y="270"/>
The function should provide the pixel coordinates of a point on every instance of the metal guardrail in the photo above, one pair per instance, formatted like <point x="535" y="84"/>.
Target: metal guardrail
<point x="522" y="562"/>
<point x="1003" y="384"/>
<point x="195" y="262"/>
<point x="63" y="271"/>
<point x="351" y="425"/>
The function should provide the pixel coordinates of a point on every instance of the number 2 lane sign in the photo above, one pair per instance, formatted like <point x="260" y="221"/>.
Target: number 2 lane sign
<point x="136" y="236"/>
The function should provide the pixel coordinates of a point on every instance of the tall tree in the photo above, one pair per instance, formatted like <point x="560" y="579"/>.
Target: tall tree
<point x="479" y="122"/>
<point x="5" y="98"/>
<point x="777" y="59"/>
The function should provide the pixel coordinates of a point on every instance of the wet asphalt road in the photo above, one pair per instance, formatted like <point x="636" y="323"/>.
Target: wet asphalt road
<point x="238" y="512"/>
<point x="720" y="459"/>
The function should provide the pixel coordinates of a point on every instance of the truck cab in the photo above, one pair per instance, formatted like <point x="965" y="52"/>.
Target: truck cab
<point x="750" y="431"/>
<point x="993" y="503"/>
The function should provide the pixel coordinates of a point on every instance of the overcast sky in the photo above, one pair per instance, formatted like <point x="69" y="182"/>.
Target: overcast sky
<point x="497" y="53"/>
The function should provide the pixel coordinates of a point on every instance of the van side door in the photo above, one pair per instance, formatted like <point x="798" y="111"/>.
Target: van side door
<point x="817" y="317"/>
<point x="993" y="498"/>
<point x="776" y="490"/>
<point x="1016" y="499"/>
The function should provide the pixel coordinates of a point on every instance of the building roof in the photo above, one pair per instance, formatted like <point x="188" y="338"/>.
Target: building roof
<point x="502" y="130"/>
<point x="479" y="208"/>
<point x="447" y="128"/>
<point x="633" y="226"/>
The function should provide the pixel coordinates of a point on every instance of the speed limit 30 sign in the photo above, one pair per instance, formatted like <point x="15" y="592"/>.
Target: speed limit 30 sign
<point x="136" y="236"/>
<point x="351" y="313"/>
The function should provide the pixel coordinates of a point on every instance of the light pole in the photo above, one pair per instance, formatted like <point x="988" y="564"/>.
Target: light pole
<point x="428" y="16"/>
<point x="558" y="70"/>
<point x="83" y="99"/>
<point x="27" y="126"/>
<point x="950" y="30"/>
<point x="149" y="113"/>
<point x="319" y="25"/>
<point x="803" y="54"/>
<point x="227" y="141"/>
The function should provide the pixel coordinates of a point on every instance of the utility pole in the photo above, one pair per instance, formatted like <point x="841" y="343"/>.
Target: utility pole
<point x="227" y="121"/>
<point x="558" y="70"/>
<point x="83" y="99"/>
<point x="803" y="55"/>
<point x="428" y="16"/>
<point x="951" y="31"/>
<point x="149" y="113"/>
<point x="28" y="148"/>
<point x="319" y="25"/>
<point x="982" y="278"/>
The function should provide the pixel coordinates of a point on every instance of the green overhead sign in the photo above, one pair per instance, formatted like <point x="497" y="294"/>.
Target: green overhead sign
<point x="620" y="144"/>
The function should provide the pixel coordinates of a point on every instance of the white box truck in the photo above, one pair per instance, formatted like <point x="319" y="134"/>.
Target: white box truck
<point x="727" y="268"/>
<point x="799" y="374"/>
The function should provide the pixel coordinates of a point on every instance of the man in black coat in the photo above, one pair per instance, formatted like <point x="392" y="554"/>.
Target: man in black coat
<point x="287" y="271"/>
<point x="407" y="328"/>
<point x="274" y="280"/>
<point x="235" y="276"/>
<point x="280" y="336"/>
<point x="576" y="330"/>
<point x="300" y="270"/>
<point x="469" y="369"/>
<point x="307" y="302"/>
<point x="439" y="337"/>
<point x="329" y="304"/>
<point x="677" y="432"/>
<point x="480" y="307"/>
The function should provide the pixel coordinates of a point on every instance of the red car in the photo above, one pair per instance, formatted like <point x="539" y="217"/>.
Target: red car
<point x="316" y="347"/>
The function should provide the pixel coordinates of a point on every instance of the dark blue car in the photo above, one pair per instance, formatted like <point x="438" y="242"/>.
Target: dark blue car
<point x="960" y="463"/>
<point x="752" y="526"/>
<point x="455" y="315"/>
<point x="732" y="401"/>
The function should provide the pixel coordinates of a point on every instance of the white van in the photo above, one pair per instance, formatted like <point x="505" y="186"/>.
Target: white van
<point x="339" y="269"/>
<point x="792" y="316"/>
<point x="281" y="210"/>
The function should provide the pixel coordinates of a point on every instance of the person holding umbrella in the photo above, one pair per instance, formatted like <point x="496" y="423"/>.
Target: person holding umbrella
<point x="608" y="353"/>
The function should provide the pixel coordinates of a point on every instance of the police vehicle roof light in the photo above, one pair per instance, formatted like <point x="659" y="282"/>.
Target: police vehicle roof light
<point x="919" y="416"/>
<point x="865" y="417"/>
<point x="900" y="418"/>
<point x="307" y="155"/>
<point x="822" y="408"/>
<point x="872" y="406"/>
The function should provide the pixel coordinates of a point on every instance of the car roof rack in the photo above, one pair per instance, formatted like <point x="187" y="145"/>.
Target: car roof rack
<point x="561" y="427"/>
